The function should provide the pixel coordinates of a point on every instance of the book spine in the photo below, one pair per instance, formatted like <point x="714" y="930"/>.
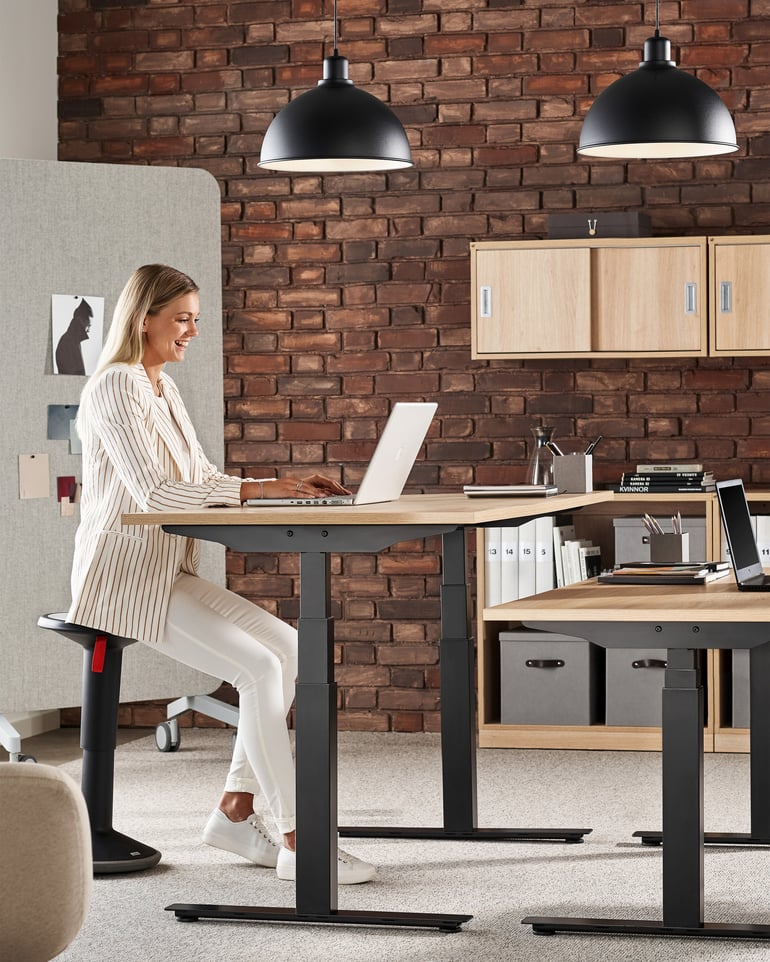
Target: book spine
<point x="663" y="478"/>
<point x="658" y="488"/>
<point x="668" y="468"/>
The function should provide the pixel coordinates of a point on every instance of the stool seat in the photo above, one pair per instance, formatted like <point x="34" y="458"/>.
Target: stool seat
<point x="102" y="663"/>
<point x="81" y="634"/>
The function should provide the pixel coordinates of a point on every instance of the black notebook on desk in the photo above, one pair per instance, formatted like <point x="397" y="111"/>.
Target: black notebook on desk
<point x="741" y="540"/>
<point x="678" y="573"/>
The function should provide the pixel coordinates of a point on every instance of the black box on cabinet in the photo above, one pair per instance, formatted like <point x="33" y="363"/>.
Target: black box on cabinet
<point x="599" y="224"/>
<point x="549" y="679"/>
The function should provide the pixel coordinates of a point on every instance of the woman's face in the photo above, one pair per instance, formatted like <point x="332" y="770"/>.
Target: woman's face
<point x="167" y="334"/>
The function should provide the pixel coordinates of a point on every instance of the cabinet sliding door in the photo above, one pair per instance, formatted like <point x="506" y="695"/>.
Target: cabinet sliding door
<point x="532" y="301"/>
<point x="650" y="300"/>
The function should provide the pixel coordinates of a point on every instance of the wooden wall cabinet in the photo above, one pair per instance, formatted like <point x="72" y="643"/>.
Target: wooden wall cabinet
<point x="595" y="522"/>
<point x="630" y="297"/>
<point x="739" y="296"/>
<point x="614" y="298"/>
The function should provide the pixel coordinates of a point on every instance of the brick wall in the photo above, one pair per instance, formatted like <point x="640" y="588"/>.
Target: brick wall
<point x="343" y="294"/>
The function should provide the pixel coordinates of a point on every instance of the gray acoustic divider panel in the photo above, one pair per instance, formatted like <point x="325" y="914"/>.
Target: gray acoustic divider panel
<point x="82" y="229"/>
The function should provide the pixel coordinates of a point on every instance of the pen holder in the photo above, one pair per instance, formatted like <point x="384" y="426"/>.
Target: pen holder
<point x="669" y="548"/>
<point x="573" y="473"/>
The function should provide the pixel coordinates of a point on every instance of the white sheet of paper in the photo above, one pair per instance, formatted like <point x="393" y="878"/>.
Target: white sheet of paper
<point x="75" y="445"/>
<point x="34" y="476"/>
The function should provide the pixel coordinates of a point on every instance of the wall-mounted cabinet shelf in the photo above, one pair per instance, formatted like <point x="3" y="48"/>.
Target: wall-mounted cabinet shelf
<point x="624" y="297"/>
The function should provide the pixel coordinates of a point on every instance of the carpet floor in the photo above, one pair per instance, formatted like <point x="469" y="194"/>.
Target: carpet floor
<point x="164" y="800"/>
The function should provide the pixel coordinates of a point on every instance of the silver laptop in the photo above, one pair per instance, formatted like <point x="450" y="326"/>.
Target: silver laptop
<point x="390" y="465"/>
<point x="741" y="540"/>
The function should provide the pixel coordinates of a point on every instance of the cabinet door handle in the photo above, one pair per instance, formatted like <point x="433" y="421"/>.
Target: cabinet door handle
<point x="485" y="301"/>
<point x="544" y="663"/>
<point x="726" y="297"/>
<point x="648" y="663"/>
<point x="690" y="298"/>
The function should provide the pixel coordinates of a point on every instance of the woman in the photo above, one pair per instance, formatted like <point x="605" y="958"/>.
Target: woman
<point x="140" y="453"/>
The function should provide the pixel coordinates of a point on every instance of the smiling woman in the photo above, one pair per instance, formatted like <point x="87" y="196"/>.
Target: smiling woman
<point x="167" y="334"/>
<point x="141" y="453"/>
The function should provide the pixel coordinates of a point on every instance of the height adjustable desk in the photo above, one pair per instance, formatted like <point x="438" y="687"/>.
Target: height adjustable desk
<point x="682" y="619"/>
<point x="316" y="533"/>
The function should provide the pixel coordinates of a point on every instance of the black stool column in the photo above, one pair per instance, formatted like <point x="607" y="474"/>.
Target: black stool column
<point x="102" y="663"/>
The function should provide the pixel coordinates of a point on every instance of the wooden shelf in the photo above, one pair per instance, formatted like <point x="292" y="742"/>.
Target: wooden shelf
<point x="594" y="521"/>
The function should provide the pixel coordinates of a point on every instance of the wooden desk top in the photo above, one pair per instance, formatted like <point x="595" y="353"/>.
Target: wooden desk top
<point x="410" y="509"/>
<point x="718" y="602"/>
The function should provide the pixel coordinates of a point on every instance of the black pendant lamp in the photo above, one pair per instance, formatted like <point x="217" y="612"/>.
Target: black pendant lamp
<point x="657" y="112"/>
<point x="335" y="128"/>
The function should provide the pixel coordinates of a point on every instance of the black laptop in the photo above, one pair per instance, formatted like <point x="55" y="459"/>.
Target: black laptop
<point x="741" y="540"/>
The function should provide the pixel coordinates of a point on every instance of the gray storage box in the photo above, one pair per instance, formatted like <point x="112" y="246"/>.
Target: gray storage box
<point x="547" y="680"/>
<point x="634" y="685"/>
<point x="632" y="541"/>
<point x="740" y="688"/>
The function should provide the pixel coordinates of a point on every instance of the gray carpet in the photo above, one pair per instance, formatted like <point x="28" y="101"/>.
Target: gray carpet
<point x="164" y="800"/>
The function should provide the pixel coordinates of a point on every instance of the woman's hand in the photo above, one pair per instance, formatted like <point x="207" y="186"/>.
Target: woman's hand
<point x="314" y="486"/>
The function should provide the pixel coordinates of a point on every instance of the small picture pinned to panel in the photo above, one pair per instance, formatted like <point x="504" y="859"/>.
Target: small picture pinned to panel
<point x="34" y="479"/>
<point x="77" y="329"/>
<point x="60" y="417"/>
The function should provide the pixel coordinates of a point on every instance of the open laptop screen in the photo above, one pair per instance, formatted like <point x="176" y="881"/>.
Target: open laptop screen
<point x="736" y="519"/>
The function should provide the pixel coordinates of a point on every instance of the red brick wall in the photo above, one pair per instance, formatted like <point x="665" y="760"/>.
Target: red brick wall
<point x="343" y="294"/>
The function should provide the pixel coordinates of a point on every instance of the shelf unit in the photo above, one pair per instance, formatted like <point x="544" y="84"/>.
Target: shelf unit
<point x="595" y="522"/>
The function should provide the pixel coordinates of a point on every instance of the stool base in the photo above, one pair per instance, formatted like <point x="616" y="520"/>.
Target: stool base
<point x="115" y="853"/>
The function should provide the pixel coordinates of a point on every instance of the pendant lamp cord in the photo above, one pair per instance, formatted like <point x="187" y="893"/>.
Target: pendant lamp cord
<point x="335" y="27"/>
<point x="657" y="17"/>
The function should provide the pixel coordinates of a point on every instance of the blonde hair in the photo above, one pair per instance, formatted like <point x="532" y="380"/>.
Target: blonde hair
<point x="149" y="289"/>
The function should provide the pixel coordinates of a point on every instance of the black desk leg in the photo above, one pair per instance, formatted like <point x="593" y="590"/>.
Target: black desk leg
<point x="316" y="719"/>
<point x="458" y="722"/>
<point x="759" y="740"/>
<point x="759" y="743"/>
<point x="682" y="823"/>
<point x="682" y="790"/>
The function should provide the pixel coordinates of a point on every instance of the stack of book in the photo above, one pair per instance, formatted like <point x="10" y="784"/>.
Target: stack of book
<point x="679" y="573"/>
<point x="665" y="478"/>
<point x="575" y="559"/>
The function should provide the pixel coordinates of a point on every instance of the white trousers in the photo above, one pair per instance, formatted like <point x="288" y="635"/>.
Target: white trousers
<point x="218" y="632"/>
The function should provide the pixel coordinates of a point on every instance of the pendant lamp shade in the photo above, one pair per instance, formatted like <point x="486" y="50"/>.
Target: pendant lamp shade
<point x="335" y="128"/>
<point x="657" y="112"/>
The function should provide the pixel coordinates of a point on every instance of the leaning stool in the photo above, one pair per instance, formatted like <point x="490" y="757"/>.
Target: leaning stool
<point x="102" y="661"/>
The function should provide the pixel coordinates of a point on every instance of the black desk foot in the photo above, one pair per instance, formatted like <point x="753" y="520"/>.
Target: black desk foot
<point x="472" y="835"/>
<point x="114" y="853"/>
<point x="192" y="913"/>
<point x="708" y="930"/>
<point x="710" y="838"/>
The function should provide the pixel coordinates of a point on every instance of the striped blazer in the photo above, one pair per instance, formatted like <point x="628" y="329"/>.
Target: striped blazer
<point x="136" y="458"/>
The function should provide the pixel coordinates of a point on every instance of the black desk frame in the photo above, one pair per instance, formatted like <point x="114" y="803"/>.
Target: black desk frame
<point x="316" y="717"/>
<point x="683" y="836"/>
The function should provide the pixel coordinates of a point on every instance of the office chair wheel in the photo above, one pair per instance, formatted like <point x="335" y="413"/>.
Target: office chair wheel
<point x="21" y="757"/>
<point x="167" y="736"/>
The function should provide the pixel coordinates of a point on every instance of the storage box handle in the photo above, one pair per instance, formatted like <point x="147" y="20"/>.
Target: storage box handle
<point x="648" y="663"/>
<point x="544" y="663"/>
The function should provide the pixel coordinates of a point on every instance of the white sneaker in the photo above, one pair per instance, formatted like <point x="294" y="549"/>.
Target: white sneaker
<point x="248" y="838"/>
<point x="350" y="870"/>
